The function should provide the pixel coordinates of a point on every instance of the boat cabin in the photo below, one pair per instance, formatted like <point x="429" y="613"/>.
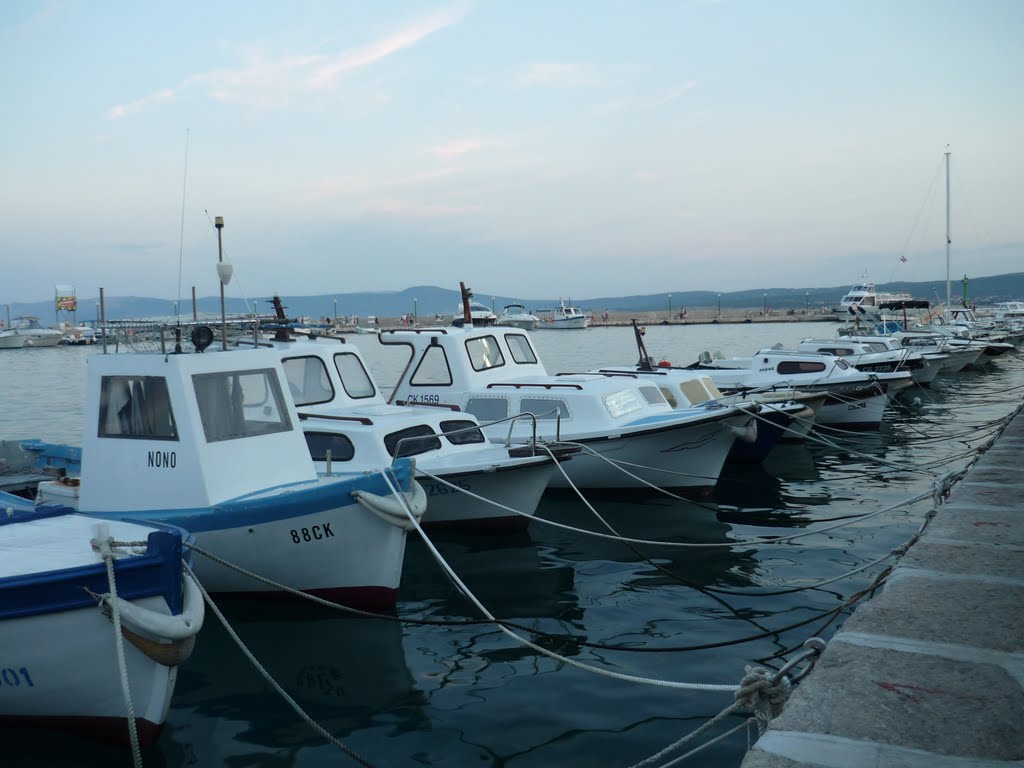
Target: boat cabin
<point x="187" y="431"/>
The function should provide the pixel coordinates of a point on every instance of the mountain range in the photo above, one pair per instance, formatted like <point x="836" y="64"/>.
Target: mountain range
<point x="428" y="300"/>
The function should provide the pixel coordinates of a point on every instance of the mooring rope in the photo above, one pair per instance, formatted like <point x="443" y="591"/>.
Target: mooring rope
<point x="105" y="548"/>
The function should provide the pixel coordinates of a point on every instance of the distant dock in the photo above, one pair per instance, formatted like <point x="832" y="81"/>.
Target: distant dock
<point x="930" y="672"/>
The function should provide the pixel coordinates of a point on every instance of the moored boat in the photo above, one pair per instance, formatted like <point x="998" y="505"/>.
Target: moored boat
<point x="211" y="443"/>
<point x="61" y="666"/>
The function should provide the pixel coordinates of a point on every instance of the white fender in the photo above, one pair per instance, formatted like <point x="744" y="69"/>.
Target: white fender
<point x="746" y="434"/>
<point x="391" y="509"/>
<point x="160" y="625"/>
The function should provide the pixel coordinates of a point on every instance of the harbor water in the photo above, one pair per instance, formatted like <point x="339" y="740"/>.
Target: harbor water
<point x="433" y="685"/>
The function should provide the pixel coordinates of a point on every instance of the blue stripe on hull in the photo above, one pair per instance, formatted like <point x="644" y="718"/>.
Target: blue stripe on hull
<point x="157" y="572"/>
<point x="247" y="511"/>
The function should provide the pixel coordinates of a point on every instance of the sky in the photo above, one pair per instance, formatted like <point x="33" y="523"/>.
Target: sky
<point x="581" y="148"/>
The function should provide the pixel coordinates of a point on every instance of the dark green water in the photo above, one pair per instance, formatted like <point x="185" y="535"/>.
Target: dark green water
<point x="456" y="694"/>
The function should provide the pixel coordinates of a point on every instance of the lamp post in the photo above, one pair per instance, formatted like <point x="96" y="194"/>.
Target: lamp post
<point x="225" y="276"/>
<point x="766" y="305"/>
<point x="335" y="318"/>
<point x="807" y="300"/>
<point x="719" y="306"/>
<point x="415" y="312"/>
<point x="670" y="306"/>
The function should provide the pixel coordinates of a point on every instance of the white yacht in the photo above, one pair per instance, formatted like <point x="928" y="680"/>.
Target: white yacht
<point x="33" y="333"/>
<point x="517" y="316"/>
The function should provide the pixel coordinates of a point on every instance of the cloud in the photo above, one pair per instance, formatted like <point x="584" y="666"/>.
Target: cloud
<point x="458" y="147"/>
<point x="268" y="81"/>
<point x="326" y="74"/>
<point x="556" y="73"/>
<point x="673" y="93"/>
<point x="121" y="110"/>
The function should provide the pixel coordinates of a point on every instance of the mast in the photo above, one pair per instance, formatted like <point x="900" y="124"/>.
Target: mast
<point x="948" y="241"/>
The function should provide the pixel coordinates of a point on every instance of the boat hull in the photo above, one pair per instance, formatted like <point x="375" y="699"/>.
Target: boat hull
<point x="61" y="670"/>
<point x="687" y="457"/>
<point x="318" y="540"/>
<point x="519" y="488"/>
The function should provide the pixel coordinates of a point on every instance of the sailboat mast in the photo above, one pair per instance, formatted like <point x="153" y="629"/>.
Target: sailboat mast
<point x="948" y="295"/>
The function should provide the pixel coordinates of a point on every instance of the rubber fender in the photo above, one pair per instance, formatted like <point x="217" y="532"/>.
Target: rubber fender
<point x="160" y="625"/>
<point x="392" y="509"/>
<point x="746" y="434"/>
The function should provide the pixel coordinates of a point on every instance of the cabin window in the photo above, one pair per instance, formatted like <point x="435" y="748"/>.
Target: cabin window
<point x="836" y="351"/>
<point x="800" y="366"/>
<point x="319" y="443"/>
<point x="842" y="364"/>
<point x="433" y="369"/>
<point x="487" y="409"/>
<point x="652" y="395"/>
<point x="136" y="407"/>
<point x="622" y="402"/>
<point x="544" y="407"/>
<point x="354" y="378"/>
<point x="462" y="432"/>
<point x="484" y="353"/>
<point x="411" y="441"/>
<point x="241" y="404"/>
<point x="875" y="346"/>
<point x="520" y="348"/>
<point x="308" y="380"/>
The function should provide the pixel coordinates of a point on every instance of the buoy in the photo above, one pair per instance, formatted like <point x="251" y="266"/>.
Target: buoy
<point x="663" y="363"/>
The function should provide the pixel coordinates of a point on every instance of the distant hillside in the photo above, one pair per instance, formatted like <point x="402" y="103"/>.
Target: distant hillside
<point x="426" y="301"/>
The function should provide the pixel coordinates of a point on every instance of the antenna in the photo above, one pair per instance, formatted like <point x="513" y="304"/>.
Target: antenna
<point x="181" y="236"/>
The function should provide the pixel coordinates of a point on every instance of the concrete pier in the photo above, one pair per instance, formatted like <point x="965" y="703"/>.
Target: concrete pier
<point x="930" y="672"/>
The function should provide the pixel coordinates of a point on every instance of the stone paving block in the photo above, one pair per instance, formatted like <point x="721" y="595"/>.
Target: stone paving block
<point x="963" y="558"/>
<point x="980" y="524"/>
<point x="938" y="610"/>
<point x="1005" y="473"/>
<point x="911" y="700"/>
<point x="1006" y="493"/>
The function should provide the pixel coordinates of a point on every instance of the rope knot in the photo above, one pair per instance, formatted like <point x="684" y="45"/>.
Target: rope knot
<point x="763" y="695"/>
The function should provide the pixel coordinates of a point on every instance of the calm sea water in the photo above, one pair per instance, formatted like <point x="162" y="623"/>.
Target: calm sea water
<point x="445" y="694"/>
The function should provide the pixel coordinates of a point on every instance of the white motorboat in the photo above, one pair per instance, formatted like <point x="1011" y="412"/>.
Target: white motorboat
<point x="350" y="426"/>
<point x="875" y="357"/>
<point x="781" y="416"/>
<point x="11" y="339"/>
<point x="924" y="365"/>
<point x="34" y="334"/>
<point x="862" y="298"/>
<point x="480" y="315"/>
<point x="211" y="443"/>
<point x="517" y="316"/>
<point x="562" y="317"/>
<point x="61" y="665"/>
<point x="496" y="374"/>
<point x="855" y="400"/>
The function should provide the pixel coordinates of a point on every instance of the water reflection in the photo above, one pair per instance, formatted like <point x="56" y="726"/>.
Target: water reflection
<point x="347" y="673"/>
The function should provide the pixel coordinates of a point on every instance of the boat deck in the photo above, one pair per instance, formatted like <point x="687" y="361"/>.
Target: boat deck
<point x="930" y="672"/>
